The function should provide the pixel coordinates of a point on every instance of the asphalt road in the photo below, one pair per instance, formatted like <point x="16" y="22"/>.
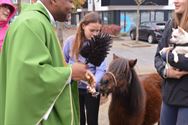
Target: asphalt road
<point x="142" y="51"/>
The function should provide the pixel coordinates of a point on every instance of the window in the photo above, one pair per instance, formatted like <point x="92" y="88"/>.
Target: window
<point x="159" y="16"/>
<point x="144" y="16"/>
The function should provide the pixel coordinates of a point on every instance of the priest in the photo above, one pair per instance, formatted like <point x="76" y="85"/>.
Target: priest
<point x="37" y="87"/>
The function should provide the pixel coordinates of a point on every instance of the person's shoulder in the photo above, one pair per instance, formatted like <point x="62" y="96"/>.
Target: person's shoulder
<point x="169" y="22"/>
<point x="33" y="12"/>
<point x="70" y="39"/>
<point x="29" y="17"/>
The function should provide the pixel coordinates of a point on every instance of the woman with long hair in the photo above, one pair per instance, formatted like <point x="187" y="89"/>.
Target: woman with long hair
<point x="174" y="109"/>
<point x="88" y="27"/>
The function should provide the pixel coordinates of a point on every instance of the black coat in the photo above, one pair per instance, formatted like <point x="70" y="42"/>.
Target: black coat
<point x="174" y="91"/>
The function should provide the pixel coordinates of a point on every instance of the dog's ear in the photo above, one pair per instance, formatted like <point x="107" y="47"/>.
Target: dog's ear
<point x="181" y="30"/>
<point x="132" y="62"/>
<point x="173" y="29"/>
<point x="115" y="56"/>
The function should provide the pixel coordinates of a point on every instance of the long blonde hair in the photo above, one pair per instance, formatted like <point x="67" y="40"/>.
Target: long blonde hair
<point x="92" y="17"/>
<point x="182" y="19"/>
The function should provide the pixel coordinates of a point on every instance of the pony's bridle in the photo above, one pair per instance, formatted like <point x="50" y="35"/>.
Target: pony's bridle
<point x="130" y="78"/>
<point x="113" y="76"/>
<point x="115" y="81"/>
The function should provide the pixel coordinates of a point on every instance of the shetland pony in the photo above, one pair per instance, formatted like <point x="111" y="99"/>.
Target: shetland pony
<point x="136" y="100"/>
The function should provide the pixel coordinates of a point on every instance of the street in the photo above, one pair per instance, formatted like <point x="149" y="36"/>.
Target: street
<point x="143" y="52"/>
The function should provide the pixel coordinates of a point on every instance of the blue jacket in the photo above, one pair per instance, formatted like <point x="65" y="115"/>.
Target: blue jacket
<point x="97" y="71"/>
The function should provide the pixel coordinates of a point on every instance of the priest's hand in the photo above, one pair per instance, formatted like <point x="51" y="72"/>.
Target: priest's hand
<point x="90" y="78"/>
<point x="78" y="71"/>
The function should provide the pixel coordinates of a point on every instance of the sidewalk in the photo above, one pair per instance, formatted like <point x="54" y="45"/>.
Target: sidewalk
<point x="131" y="43"/>
<point x="142" y="51"/>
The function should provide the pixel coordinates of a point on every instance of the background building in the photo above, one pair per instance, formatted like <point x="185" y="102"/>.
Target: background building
<point x="123" y="12"/>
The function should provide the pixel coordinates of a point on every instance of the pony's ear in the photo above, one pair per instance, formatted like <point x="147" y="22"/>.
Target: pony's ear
<point x="115" y="56"/>
<point x="132" y="63"/>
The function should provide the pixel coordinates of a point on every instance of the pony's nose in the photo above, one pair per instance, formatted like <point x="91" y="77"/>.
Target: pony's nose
<point x="103" y="91"/>
<point x="104" y="81"/>
<point x="101" y="88"/>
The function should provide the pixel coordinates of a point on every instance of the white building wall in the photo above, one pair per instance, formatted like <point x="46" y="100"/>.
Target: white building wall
<point x="98" y="6"/>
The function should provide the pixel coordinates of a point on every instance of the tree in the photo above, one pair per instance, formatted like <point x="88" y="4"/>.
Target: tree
<point x="93" y="5"/>
<point x="78" y="3"/>
<point x="138" y="2"/>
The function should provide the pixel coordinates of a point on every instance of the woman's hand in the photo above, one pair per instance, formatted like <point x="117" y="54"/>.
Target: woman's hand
<point x="175" y="73"/>
<point x="165" y="50"/>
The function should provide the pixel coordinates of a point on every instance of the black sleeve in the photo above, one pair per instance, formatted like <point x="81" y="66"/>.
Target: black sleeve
<point x="182" y="63"/>
<point x="158" y="61"/>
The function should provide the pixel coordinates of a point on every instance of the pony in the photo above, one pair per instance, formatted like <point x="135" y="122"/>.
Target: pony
<point x="136" y="100"/>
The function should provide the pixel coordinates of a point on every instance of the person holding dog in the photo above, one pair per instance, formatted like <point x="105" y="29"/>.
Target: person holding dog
<point x="174" y="109"/>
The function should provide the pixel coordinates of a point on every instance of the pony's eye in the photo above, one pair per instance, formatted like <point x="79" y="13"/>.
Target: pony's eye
<point x="105" y="81"/>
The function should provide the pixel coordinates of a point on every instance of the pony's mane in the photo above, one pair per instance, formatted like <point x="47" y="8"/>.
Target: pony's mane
<point x="128" y="85"/>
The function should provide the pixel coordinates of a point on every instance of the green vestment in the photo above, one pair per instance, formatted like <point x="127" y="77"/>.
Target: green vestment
<point x="33" y="75"/>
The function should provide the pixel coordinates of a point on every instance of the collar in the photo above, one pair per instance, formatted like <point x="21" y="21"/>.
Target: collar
<point x="52" y="20"/>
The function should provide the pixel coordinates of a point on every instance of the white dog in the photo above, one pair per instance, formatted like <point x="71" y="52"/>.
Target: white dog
<point x="179" y="38"/>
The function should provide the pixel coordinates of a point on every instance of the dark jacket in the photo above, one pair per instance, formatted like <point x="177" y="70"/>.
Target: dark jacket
<point x="174" y="91"/>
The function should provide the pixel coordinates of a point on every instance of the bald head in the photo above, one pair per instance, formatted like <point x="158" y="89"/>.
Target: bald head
<point x="60" y="9"/>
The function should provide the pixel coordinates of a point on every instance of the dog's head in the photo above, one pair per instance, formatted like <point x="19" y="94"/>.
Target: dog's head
<point x="179" y="36"/>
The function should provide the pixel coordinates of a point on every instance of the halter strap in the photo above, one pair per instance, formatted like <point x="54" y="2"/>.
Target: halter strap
<point x="130" y="78"/>
<point x="113" y="76"/>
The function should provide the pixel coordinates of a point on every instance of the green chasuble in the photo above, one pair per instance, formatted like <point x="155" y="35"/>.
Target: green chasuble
<point x="33" y="75"/>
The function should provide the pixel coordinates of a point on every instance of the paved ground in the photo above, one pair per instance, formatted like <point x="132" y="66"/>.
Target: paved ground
<point x="142" y="51"/>
<point x="123" y="46"/>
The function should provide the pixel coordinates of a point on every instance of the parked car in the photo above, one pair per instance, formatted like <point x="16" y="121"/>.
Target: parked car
<point x="149" y="31"/>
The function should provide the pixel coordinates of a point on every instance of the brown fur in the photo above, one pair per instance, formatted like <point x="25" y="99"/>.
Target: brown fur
<point x="134" y="103"/>
<point x="152" y="86"/>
